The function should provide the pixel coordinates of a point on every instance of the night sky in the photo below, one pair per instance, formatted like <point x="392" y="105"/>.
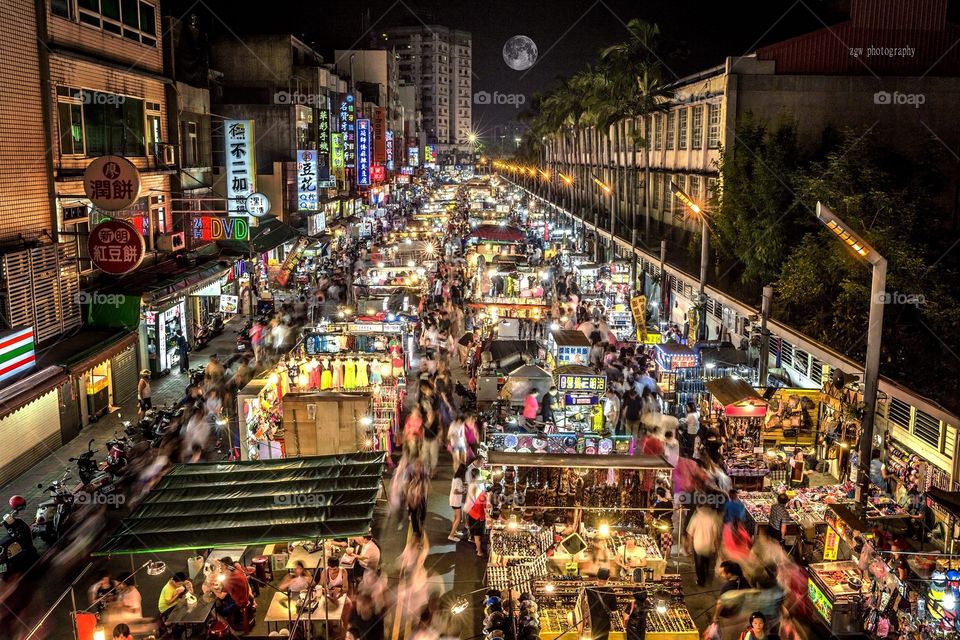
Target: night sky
<point x="568" y="33"/>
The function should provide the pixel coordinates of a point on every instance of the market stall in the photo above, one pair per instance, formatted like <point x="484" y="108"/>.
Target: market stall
<point x="521" y="380"/>
<point x="567" y="346"/>
<point x="676" y="364"/>
<point x="580" y="391"/>
<point x="742" y="409"/>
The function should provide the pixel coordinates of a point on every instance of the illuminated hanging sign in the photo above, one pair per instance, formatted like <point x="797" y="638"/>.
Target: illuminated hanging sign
<point x="348" y="118"/>
<point x="111" y="183"/>
<point x="406" y="170"/>
<point x="378" y="173"/>
<point x="380" y="135"/>
<point x="220" y="228"/>
<point x="336" y="156"/>
<point x="307" y="198"/>
<point x="429" y="155"/>
<point x="363" y="152"/>
<point x="413" y="156"/>
<point x="241" y="165"/>
<point x="575" y="383"/>
<point x="831" y="545"/>
<point x="325" y="179"/>
<point x="389" y="137"/>
<point x="115" y="247"/>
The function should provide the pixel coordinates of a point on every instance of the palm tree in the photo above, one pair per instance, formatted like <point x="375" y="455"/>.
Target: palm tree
<point x="636" y="68"/>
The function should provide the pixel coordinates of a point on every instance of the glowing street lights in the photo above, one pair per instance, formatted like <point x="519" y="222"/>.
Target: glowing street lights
<point x="871" y="369"/>
<point x="682" y="196"/>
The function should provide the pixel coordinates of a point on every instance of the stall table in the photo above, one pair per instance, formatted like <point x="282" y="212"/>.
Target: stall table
<point x="282" y="611"/>
<point x="833" y="596"/>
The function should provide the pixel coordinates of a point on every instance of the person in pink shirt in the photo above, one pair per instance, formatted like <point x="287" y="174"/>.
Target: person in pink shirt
<point x="531" y="406"/>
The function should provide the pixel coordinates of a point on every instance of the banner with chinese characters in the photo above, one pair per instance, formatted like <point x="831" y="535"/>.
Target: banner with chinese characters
<point x="348" y="118"/>
<point x="390" y="165"/>
<point x="241" y="165"/>
<point x="429" y="155"/>
<point x="290" y="262"/>
<point x="380" y="135"/>
<point x="336" y="156"/>
<point x="363" y="152"/>
<point x="831" y="545"/>
<point x="378" y="173"/>
<point x="325" y="179"/>
<point x="575" y="383"/>
<point x="638" y="306"/>
<point x="307" y="199"/>
<point x="413" y="156"/>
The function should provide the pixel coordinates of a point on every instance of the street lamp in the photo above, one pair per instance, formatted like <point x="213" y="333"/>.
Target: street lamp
<point x="682" y="196"/>
<point x="871" y="369"/>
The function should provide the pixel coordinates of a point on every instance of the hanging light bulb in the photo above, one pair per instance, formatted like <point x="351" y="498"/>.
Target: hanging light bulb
<point x="549" y="587"/>
<point x="459" y="606"/>
<point x="604" y="530"/>
<point x="661" y="607"/>
<point x="949" y="601"/>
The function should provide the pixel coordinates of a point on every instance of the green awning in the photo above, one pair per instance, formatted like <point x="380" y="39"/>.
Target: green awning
<point x="269" y="234"/>
<point x="207" y="505"/>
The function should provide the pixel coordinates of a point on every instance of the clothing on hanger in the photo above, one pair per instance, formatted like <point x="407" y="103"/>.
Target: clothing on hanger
<point x="326" y="375"/>
<point x="362" y="380"/>
<point x="350" y="374"/>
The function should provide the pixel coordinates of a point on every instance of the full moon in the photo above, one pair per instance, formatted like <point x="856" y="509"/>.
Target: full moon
<point x="520" y="53"/>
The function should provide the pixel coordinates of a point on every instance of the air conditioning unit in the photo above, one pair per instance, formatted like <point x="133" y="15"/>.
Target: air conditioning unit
<point x="171" y="242"/>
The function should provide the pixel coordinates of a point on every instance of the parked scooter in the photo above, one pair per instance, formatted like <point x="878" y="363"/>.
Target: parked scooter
<point x="209" y="330"/>
<point x="50" y="521"/>
<point x="92" y="479"/>
<point x="17" y="552"/>
<point x="116" y="461"/>
<point x="168" y="419"/>
<point x="243" y="337"/>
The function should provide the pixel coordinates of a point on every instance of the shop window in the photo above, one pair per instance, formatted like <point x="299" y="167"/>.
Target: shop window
<point x="70" y="121"/>
<point x="132" y="19"/>
<point x="696" y="130"/>
<point x="899" y="413"/>
<point x="713" y="132"/>
<point x="682" y="129"/>
<point x="671" y="128"/>
<point x="62" y="8"/>
<point x="695" y="189"/>
<point x="655" y="192"/>
<point x="112" y="124"/>
<point x="76" y="226"/>
<point x="927" y="429"/>
<point x="193" y="144"/>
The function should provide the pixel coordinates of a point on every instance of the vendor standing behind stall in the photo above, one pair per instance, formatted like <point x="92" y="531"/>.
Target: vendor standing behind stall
<point x="602" y="603"/>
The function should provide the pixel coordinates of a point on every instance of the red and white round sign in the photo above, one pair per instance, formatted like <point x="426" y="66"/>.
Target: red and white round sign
<point x="116" y="247"/>
<point x="111" y="183"/>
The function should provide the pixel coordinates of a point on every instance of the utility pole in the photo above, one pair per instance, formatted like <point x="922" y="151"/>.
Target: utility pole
<point x="765" y="334"/>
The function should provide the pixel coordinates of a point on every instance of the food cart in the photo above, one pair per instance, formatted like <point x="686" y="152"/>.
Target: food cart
<point x="743" y="409"/>
<point x="567" y="346"/>
<point x="675" y="362"/>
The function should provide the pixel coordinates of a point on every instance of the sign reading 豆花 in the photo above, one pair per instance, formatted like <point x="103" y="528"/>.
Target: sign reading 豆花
<point x="111" y="183"/>
<point x="115" y="247"/>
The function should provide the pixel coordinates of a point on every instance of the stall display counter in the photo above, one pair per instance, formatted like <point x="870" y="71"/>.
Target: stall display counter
<point x="834" y="589"/>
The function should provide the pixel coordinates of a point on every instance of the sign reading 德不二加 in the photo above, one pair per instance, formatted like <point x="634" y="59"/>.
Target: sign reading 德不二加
<point x="241" y="165"/>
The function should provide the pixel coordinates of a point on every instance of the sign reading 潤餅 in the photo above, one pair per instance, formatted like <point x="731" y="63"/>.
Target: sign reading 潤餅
<point x="111" y="183"/>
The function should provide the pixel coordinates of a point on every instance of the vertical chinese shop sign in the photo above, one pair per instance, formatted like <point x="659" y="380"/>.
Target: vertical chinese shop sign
<point x="241" y="165"/>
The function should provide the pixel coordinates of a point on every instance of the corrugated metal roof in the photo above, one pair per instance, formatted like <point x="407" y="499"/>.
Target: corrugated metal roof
<point x="899" y="14"/>
<point x="845" y="49"/>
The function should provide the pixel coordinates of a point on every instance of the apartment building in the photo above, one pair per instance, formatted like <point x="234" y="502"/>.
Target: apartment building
<point x="438" y="61"/>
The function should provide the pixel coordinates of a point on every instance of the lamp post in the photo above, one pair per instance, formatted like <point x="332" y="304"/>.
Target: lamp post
<point x="682" y="196"/>
<point x="871" y="369"/>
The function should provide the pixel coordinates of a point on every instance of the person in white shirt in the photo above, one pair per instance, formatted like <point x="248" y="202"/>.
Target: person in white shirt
<point x="691" y="425"/>
<point x="671" y="448"/>
<point x="611" y="410"/>
<point x="704" y="532"/>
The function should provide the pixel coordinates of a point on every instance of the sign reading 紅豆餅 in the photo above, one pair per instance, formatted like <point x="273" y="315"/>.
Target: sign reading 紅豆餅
<point x="115" y="247"/>
<point x="241" y="165"/>
<point x="111" y="183"/>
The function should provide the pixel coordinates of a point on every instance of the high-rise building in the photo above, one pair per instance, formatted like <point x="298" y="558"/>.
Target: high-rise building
<point x="438" y="61"/>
